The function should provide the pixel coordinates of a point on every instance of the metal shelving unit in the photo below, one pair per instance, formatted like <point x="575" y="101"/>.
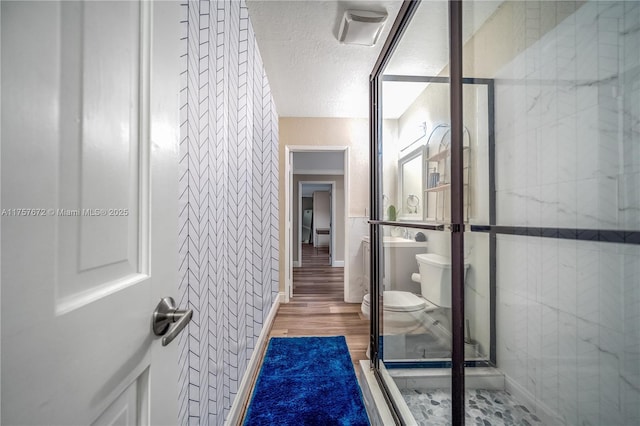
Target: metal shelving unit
<point x="437" y="186"/>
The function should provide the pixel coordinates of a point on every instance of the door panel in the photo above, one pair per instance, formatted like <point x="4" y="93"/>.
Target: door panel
<point x="110" y="132"/>
<point x="123" y="411"/>
<point x="100" y="166"/>
<point x="89" y="118"/>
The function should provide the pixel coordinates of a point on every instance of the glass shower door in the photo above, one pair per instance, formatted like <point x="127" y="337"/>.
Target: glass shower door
<point x="541" y="173"/>
<point x="563" y="230"/>
<point x="411" y="215"/>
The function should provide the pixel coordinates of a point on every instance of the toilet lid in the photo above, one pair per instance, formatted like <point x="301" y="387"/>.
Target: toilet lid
<point x="399" y="301"/>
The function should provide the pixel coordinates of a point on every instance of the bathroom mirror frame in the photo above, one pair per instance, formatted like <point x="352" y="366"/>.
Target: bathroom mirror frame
<point x="403" y="195"/>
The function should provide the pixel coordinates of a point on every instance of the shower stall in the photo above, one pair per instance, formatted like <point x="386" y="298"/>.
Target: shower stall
<point x="505" y="136"/>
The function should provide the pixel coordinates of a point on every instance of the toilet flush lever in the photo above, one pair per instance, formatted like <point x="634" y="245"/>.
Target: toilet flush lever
<point x="167" y="313"/>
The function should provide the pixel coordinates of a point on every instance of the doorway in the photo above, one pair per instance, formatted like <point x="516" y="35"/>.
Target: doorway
<point x="319" y="307"/>
<point x="316" y="165"/>
<point x="314" y="223"/>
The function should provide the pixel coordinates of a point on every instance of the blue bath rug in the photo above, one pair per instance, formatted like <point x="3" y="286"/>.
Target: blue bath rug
<point x="307" y="381"/>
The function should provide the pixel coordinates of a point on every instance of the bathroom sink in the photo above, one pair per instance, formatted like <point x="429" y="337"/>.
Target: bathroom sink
<point x="391" y="241"/>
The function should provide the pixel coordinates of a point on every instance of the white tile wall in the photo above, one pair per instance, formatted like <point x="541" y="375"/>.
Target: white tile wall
<point x="567" y="324"/>
<point x="228" y="205"/>
<point x="577" y="92"/>
<point x="568" y="155"/>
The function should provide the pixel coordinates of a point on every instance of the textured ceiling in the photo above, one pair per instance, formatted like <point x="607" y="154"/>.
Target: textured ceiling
<point x="310" y="72"/>
<point x="313" y="75"/>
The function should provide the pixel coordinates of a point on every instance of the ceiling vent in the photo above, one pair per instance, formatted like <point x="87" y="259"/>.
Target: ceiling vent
<point x="361" y="27"/>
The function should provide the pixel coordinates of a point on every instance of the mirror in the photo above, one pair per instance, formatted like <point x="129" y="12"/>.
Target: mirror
<point x="410" y="192"/>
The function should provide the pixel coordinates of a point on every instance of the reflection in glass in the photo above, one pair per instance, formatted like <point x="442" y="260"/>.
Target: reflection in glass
<point x="415" y="318"/>
<point x="550" y="110"/>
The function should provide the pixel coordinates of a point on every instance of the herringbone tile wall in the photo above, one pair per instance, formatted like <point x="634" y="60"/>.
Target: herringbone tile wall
<point x="228" y="205"/>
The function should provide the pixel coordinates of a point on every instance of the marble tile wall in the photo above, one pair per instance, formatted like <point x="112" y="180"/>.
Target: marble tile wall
<point x="568" y="155"/>
<point x="569" y="326"/>
<point x="567" y="123"/>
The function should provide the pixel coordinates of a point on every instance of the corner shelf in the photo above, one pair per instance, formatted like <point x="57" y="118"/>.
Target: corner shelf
<point x="438" y="188"/>
<point x="437" y="166"/>
<point x="439" y="156"/>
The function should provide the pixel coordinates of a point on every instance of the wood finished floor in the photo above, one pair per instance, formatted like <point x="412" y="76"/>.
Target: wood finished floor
<point x="318" y="308"/>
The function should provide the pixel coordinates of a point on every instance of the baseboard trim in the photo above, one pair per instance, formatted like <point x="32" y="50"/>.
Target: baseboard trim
<point x="338" y="264"/>
<point x="240" y="402"/>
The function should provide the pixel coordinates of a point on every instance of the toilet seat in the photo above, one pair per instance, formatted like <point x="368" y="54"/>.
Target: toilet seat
<point x="401" y="301"/>
<point x="403" y="312"/>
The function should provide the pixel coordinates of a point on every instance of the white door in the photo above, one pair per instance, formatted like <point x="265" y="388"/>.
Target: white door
<point x="89" y="202"/>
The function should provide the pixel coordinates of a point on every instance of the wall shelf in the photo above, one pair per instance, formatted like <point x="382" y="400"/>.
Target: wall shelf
<point x="439" y="156"/>
<point x="437" y="165"/>
<point x="438" y="188"/>
<point x="426" y="171"/>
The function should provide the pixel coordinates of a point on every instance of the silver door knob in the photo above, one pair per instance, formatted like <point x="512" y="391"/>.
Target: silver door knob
<point x="165" y="315"/>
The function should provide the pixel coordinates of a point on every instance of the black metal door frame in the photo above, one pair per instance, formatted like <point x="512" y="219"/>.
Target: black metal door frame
<point x="457" y="222"/>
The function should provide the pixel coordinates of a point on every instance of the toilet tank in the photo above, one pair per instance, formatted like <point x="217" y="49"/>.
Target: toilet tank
<point x="435" y="278"/>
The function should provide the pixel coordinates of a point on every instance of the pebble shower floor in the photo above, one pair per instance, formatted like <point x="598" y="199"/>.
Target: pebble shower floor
<point x="483" y="408"/>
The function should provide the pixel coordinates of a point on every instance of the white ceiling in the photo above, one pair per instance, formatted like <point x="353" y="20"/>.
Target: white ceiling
<point x="311" y="74"/>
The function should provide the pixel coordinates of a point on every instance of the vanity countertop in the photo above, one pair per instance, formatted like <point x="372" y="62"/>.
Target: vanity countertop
<point x="390" y="241"/>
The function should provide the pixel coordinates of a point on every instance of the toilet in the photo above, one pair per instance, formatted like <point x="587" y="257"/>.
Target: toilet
<point x="428" y="313"/>
<point x="402" y="311"/>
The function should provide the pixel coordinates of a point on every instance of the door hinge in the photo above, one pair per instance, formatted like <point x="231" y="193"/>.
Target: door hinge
<point x="456" y="227"/>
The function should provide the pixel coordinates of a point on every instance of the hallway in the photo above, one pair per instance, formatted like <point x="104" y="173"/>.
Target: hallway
<point x="318" y="308"/>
